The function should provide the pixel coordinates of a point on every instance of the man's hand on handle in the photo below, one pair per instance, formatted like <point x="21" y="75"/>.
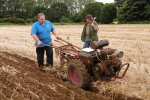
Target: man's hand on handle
<point x="59" y="38"/>
<point x="39" y="43"/>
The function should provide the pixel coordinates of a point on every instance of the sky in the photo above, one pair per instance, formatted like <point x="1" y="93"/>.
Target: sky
<point x="105" y="1"/>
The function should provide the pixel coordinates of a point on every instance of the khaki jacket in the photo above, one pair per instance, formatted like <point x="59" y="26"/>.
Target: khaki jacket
<point x="92" y="34"/>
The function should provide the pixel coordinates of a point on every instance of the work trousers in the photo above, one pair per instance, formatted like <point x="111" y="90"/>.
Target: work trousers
<point x="40" y="56"/>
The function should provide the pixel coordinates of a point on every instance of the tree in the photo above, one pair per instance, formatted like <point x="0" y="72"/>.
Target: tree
<point x="74" y="6"/>
<point x="93" y="9"/>
<point x="38" y="9"/>
<point x="77" y="17"/>
<point x="53" y="9"/>
<point x="27" y="8"/>
<point x="107" y="13"/>
<point x="16" y="8"/>
<point x="119" y="3"/>
<point x="134" y="10"/>
<point x="44" y="3"/>
<point x="2" y="8"/>
<point x="57" y="11"/>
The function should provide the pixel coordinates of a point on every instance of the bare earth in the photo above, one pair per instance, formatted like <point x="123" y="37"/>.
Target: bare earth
<point x="21" y="79"/>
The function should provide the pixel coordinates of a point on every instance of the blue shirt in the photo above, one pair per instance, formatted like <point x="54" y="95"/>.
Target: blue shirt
<point x="43" y="32"/>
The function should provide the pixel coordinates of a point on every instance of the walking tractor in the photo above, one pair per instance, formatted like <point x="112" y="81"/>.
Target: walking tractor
<point x="91" y="64"/>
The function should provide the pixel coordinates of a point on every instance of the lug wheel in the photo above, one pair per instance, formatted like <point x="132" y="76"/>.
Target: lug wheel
<point x="77" y="74"/>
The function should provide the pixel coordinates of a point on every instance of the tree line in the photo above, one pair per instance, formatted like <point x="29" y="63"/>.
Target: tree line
<point x="133" y="11"/>
<point x="21" y="11"/>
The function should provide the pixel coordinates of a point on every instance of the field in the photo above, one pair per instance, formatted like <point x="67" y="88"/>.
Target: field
<point x="21" y="79"/>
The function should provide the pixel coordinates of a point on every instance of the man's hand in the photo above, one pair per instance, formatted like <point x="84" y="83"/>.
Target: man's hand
<point x="92" y="25"/>
<point x="95" y="26"/>
<point x="59" y="38"/>
<point x="39" y="43"/>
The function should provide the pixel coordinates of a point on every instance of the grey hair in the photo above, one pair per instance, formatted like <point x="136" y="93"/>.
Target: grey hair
<point x="40" y="14"/>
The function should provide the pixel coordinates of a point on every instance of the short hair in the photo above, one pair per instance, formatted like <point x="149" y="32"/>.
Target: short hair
<point x="40" y="14"/>
<point x="89" y="16"/>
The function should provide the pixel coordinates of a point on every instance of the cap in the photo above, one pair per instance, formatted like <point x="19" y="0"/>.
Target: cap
<point x="89" y="16"/>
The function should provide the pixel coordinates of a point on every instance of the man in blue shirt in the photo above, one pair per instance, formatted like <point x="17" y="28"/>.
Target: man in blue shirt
<point x="41" y="33"/>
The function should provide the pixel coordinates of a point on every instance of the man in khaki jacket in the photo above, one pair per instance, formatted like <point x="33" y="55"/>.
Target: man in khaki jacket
<point x="89" y="33"/>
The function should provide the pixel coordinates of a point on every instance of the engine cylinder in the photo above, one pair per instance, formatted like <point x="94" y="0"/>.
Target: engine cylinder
<point x="99" y="44"/>
<point x="114" y="59"/>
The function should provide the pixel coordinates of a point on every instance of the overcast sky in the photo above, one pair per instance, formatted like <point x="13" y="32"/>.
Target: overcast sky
<point x="105" y="1"/>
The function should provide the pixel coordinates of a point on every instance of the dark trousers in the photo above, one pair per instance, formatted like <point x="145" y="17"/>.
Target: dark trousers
<point x="40" y="56"/>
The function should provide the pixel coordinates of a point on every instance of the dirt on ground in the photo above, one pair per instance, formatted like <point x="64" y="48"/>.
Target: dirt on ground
<point x="22" y="80"/>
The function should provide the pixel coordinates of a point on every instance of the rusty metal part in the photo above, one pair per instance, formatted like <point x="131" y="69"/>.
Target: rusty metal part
<point x="68" y="43"/>
<point x="108" y="51"/>
<point x="127" y="66"/>
<point x="66" y="52"/>
<point x="119" y="53"/>
<point x="117" y="74"/>
<point x="104" y="63"/>
<point x="114" y="59"/>
<point x="99" y="44"/>
<point x="98" y="69"/>
<point x="106" y="71"/>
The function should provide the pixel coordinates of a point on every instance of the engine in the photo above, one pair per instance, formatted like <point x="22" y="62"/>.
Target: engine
<point x="104" y="63"/>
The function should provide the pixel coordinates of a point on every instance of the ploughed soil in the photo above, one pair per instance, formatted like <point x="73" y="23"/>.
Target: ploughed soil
<point x="20" y="79"/>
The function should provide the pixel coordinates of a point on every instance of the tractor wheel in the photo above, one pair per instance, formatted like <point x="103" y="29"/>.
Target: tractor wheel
<point x="77" y="74"/>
